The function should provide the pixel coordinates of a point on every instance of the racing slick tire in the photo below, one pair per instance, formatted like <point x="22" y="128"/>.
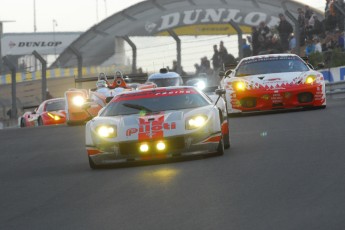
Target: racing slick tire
<point x="227" y="141"/>
<point x="22" y="123"/>
<point x="40" y="122"/>
<point x="92" y="164"/>
<point x="220" y="149"/>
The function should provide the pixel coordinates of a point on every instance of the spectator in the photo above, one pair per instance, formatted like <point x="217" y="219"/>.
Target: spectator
<point x="223" y="53"/>
<point x="301" y="24"/>
<point x="317" y="45"/>
<point x="317" y="29"/>
<point x="275" y="45"/>
<point x="197" y="68"/>
<point x="246" y="50"/>
<point x="307" y="12"/>
<point x="284" y="29"/>
<point x="310" y="48"/>
<point x="292" y="43"/>
<point x="216" y="59"/>
<point x="48" y="95"/>
<point x="255" y="40"/>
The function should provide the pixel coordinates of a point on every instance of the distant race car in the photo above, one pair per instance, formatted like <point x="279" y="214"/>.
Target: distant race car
<point x="82" y="105"/>
<point x="49" y="112"/>
<point x="275" y="81"/>
<point x="165" y="78"/>
<point x="164" y="122"/>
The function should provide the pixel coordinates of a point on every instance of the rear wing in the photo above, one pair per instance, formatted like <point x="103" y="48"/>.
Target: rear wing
<point x="140" y="78"/>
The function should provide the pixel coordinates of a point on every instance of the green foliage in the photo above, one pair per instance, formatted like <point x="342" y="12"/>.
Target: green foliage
<point x="333" y="58"/>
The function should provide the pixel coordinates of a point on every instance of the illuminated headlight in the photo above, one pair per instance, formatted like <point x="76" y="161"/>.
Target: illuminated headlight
<point x="201" y="85"/>
<point x="310" y="79"/>
<point x="106" y="131"/>
<point x="144" y="148"/>
<point x="160" y="146"/>
<point x="196" y="122"/>
<point x="78" y="100"/>
<point x="55" y="117"/>
<point x="239" y="85"/>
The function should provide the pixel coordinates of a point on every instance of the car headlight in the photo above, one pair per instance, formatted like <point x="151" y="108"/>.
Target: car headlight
<point x="107" y="131"/>
<point x="78" y="100"/>
<point x="310" y="79"/>
<point x="201" y="85"/>
<point x="196" y="122"/>
<point x="239" y="85"/>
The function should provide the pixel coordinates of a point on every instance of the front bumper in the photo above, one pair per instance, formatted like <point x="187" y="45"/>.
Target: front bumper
<point x="178" y="146"/>
<point x="270" y="99"/>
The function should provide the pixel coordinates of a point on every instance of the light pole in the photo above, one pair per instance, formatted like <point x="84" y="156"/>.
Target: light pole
<point x="54" y="25"/>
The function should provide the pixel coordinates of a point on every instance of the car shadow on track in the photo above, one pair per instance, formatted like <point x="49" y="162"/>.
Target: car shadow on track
<point x="275" y="111"/>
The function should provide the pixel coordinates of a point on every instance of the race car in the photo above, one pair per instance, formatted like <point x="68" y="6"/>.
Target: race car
<point x="165" y="78"/>
<point x="49" y="112"/>
<point x="275" y="81"/>
<point x="82" y="104"/>
<point x="151" y="124"/>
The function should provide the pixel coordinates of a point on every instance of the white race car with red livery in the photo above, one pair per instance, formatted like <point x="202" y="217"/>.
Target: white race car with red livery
<point x="151" y="124"/>
<point x="275" y="81"/>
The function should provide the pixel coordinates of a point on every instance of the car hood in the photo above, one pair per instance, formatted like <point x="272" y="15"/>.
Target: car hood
<point x="151" y="126"/>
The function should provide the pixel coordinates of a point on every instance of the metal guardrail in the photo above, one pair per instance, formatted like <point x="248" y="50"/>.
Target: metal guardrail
<point x="335" y="88"/>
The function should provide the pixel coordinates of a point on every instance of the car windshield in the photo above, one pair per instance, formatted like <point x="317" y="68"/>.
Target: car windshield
<point x="155" y="104"/>
<point x="271" y="65"/>
<point x="55" y="105"/>
<point x="163" y="82"/>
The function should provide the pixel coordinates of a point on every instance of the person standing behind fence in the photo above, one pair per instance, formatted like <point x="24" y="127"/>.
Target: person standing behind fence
<point x="223" y="53"/>
<point x="284" y="29"/>
<point x="216" y="60"/>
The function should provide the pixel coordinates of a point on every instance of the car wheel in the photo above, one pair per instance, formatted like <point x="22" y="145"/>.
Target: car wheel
<point x="22" y="123"/>
<point x="220" y="149"/>
<point x="92" y="164"/>
<point x="40" y="122"/>
<point x="226" y="141"/>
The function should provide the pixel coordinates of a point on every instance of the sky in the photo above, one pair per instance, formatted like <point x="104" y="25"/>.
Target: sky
<point x="69" y="15"/>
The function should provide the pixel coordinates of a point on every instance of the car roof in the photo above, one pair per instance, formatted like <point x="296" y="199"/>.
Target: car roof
<point x="164" y="75"/>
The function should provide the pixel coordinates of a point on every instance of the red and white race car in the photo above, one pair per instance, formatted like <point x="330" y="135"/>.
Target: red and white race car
<point x="150" y="124"/>
<point x="275" y="81"/>
<point x="49" y="112"/>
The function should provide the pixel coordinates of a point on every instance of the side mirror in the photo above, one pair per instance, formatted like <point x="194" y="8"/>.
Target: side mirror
<point x="228" y="72"/>
<point x="221" y="74"/>
<point x="220" y="92"/>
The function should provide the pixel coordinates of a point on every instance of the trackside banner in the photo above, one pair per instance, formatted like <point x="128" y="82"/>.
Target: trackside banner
<point x="43" y="43"/>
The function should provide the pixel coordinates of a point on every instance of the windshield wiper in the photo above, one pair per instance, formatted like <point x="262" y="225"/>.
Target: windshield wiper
<point x="138" y="107"/>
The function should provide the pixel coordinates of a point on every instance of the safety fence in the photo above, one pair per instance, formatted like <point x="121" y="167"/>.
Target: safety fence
<point x="61" y="72"/>
<point x="334" y="88"/>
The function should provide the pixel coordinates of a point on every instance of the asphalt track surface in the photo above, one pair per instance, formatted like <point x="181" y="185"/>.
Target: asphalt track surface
<point x="283" y="171"/>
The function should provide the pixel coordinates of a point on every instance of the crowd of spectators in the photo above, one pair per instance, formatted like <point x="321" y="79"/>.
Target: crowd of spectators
<point x="316" y="35"/>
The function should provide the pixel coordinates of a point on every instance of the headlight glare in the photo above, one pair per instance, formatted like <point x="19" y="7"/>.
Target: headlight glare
<point x="106" y="131"/>
<point x="160" y="146"/>
<point x="144" y="148"/>
<point x="310" y="79"/>
<point x="201" y="85"/>
<point x="196" y="122"/>
<point x="239" y="85"/>
<point x="78" y="100"/>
